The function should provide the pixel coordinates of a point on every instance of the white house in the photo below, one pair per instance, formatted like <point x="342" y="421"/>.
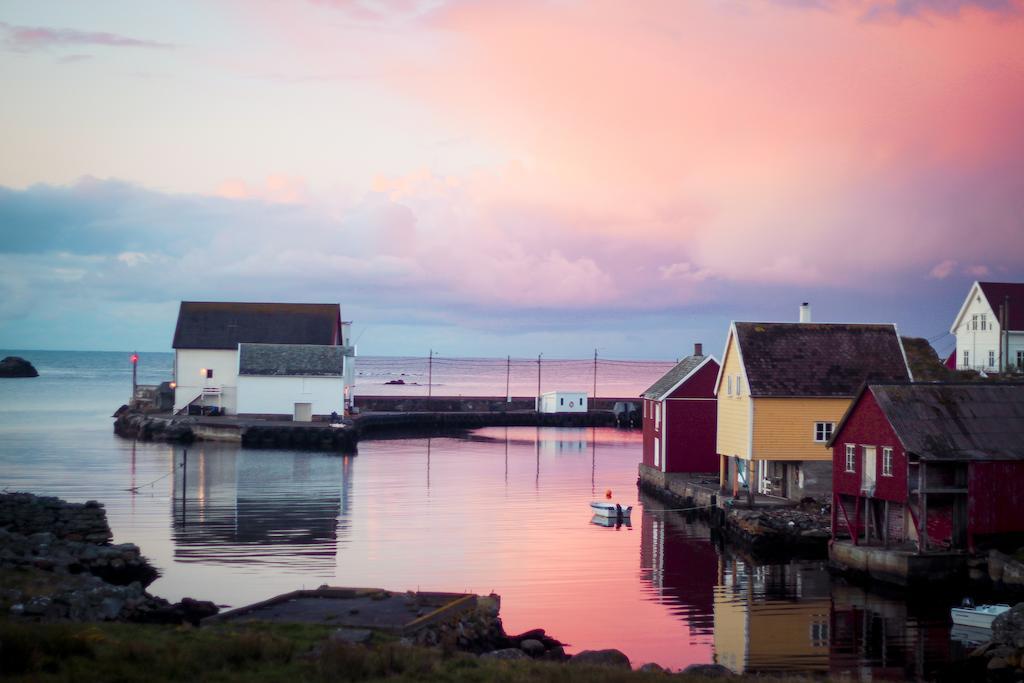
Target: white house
<point x="989" y="328"/>
<point x="563" y="402"/>
<point x="208" y="335"/>
<point x="300" y="380"/>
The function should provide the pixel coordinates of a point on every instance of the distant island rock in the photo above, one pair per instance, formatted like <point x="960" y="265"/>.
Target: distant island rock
<point x="13" y="366"/>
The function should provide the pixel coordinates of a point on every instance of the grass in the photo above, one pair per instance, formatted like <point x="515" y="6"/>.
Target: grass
<point x="263" y="653"/>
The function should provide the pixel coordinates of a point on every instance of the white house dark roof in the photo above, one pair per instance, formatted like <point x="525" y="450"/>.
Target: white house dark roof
<point x="278" y="360"/>
<point x="954" y="421"/>
<point x="225" y="325"/>
<point x="818" y="359"/>
<point x="671" y="378"/>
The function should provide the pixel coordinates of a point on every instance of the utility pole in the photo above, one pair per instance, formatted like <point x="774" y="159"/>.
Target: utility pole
<point x="508" y="379"/>
<point x="430" y="374"/>
<point x="595" y="375"/>
<point x="538" y="381"/>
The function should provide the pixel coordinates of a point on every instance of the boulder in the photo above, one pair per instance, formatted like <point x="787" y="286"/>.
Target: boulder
<point x="611" y="657"/>
<point x="13" y="366"/>
<point x="652" y="668"/>
<point x="352" y="635"/>
<point x="709" y="671"/>
<point x="532" y="647"/>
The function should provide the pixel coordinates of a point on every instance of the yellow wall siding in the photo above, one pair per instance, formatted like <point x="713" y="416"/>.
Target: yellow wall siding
<point x="784" y="427"/>
<point x="733" y="413"/>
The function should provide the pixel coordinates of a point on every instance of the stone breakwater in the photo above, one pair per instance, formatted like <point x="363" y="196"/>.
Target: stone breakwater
<point x="57" y="563"/>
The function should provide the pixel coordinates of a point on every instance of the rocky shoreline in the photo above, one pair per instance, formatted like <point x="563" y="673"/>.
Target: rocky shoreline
<point x="57" y="563"/>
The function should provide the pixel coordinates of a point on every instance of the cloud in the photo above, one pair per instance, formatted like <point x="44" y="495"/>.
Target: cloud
<point x="890" y="10"/>
<point x="32" y="38"/>
<point x="943" y="269"/>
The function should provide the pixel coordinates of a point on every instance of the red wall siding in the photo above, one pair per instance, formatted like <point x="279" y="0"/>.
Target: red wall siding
<point x="867" y="426"/>
<point x="996" y="497"/>
<point x="691" y="425"/>
<point x="647" y="410"/>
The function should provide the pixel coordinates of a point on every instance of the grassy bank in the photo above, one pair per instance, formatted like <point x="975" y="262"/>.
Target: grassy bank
<point x="260" y="652"/>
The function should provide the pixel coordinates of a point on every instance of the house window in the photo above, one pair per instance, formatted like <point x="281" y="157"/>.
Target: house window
<point x="967" y="358"/>
<point x="738" y="385"/>
<point x="1020" y="360"/>
<point x="974" y="322"/>
<point x="562" y="401"/>
<point x="729" y="385"/>
<point x="886" y="462"/>
<point x="984" y="323"/>
<point x="851" y="458"/>
<point x="823" y="431"/>
<point x="991" y="359"/>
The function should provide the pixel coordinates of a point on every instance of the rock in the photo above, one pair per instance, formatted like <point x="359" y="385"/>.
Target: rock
<point x="555" y="653"/>
<point x="194" y="611"/>
<point x="110" y="608"/>
<point x="14" y="366"/>
<point x="532" y="647"/>
<point x="506" y="653"/>
<point x="610" y="657"/>
<point x="352" y="635"/>
<point x="652" y="668"/>
<point x="709" y="671"/>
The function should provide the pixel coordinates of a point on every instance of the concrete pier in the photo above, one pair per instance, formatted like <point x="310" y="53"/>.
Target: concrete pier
<point x="901" y="567"/>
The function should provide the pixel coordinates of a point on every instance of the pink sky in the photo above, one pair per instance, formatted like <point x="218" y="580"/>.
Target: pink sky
<point x="556" y="156"/>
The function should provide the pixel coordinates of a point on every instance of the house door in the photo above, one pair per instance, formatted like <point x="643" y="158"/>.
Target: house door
<point x="303" y="412"/>
<point x="657" y="452"/>
<point x="867" y="483"/>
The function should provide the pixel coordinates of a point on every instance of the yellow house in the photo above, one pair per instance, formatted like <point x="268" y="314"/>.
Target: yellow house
<point x="782" y="388"/>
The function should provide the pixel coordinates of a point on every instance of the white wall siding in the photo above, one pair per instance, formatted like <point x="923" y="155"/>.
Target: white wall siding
<point x="978" y="342"/>
<point x="563" y="402"/>
<point x="260" y="395"/>
<point x="190" y="382"/>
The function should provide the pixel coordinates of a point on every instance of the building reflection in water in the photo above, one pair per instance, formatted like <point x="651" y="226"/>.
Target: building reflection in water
<point x="271" y="508"/>
<point x="775" y="618"/>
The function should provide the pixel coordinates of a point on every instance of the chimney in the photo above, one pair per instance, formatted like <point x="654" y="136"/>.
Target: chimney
<point x="698" y="349"/>
<point x="805" y="312"/>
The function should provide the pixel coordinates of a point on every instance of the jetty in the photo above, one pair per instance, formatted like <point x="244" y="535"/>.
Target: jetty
<point x="376" y="417"/>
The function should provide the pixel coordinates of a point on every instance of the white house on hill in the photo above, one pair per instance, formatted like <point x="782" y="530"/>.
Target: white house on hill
<point x="989" y="328"/>
<point x="207" y="359"/>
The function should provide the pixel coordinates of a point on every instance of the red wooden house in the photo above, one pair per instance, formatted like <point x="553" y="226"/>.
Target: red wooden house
<point x="932" y="467"/>
<point x="680" y="417"/>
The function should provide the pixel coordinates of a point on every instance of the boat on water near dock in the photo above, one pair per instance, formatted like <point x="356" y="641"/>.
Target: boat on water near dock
<point x="611" y="522"/>
<point x="981" y="616"/>
<point x="611" y="510"/>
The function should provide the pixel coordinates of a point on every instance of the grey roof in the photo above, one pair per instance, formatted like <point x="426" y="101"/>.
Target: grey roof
<point x="947" y="421"/>
<point x="818" y="359"/>
<point x="672" y="377"/>
<point x="226" y="324"/>
<point x="307" y="360"/>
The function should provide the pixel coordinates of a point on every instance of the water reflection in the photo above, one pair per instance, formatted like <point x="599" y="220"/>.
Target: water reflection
<point x="280" y="508"/>
<point x="772" y="618"/>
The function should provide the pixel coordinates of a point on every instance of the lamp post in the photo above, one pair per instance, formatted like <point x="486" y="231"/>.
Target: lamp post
<point x="538" y="380"/>
<point x="430" y="374"/>
<point x="135" y="365"/>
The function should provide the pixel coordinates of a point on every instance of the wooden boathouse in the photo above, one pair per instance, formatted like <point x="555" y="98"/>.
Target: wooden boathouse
<point x="928" y="469"/>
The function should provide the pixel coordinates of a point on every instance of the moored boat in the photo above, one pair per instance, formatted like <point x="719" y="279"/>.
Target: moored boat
<point x="980" y="616"/>
<point x="607" y="509"/>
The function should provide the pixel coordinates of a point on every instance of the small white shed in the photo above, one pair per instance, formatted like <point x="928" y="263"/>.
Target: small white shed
<point x="563" y="402"/>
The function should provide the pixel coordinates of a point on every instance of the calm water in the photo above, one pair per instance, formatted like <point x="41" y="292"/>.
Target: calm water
<point x="501" y="510"/>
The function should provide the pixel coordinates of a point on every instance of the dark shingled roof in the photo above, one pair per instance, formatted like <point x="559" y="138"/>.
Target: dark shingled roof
<point x="998" y="292"/>
<point x="309" y="360"/>
<point x="818" y="359"/>
<point x="224" y="325"/>
<point x="672" y="377"/>
<point x="946" y="421"/>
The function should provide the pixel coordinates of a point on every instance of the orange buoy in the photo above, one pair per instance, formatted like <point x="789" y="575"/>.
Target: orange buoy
<point x="608" y="493"/>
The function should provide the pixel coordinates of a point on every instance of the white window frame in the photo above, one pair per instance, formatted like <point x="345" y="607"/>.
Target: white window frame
<point x="851" y="458"/>
<point x="728" y="391"/>
<point x="826" y="432"/>
<point x="974" y="321"/>
<point x="738" y="386"/>
<point x="991" y="358"/>
<point x="967" y="358"/>
<point x="984" y="321"/>
<point x="886" y="461"/>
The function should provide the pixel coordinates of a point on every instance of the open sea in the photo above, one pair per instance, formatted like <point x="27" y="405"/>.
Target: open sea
<point x="500" y="509"/>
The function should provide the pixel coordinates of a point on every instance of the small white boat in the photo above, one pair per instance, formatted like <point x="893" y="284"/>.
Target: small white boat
<point x="980" y="616"/>
<point x="611" y="522"/>
<point x="608" y="509"/>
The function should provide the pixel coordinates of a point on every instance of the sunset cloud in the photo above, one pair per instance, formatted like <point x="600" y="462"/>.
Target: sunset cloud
<point x="30" y="38"/>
